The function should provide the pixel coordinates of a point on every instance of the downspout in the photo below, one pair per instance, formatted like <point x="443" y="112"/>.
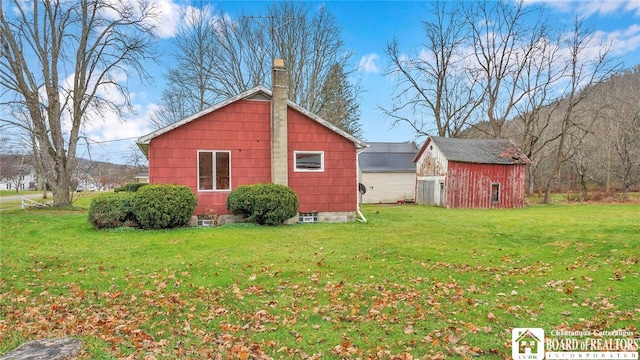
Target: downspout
<point x="362" y="218"/>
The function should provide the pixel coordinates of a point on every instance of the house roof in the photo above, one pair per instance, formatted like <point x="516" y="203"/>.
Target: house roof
<point x="388" y="157"/>
<point x="527" y="334"/>
<point x="259" y="92"/>
<point x="480" y="151"/>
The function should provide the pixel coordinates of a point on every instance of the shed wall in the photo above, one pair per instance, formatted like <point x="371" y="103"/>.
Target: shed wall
<point x="388" y="187"/>
<point x="431" y="161"/>
<point x="468" y="185"/>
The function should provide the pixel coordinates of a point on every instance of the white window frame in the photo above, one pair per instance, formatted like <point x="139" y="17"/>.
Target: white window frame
<point x="213" y="170"/>
<point x="295" y="162"/>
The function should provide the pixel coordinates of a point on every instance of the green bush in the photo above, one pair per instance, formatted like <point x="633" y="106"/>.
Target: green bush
<point x="130" y="187"/>
<point x="264" y="204"/>
<point x="111" y="211"/>
<point x="163" y="206"/>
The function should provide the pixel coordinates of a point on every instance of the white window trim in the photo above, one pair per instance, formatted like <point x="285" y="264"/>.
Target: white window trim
<point x="321" y="153"/>
<point x="213" y="167"/>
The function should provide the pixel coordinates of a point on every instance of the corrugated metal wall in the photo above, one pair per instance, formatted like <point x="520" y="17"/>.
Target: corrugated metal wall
<point x="469" y="185"/>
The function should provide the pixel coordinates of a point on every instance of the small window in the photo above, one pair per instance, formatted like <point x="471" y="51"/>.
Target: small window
<point x="308" y="160"/>
<point x="214" y="170"/>
<point x="495" y="193"/>
<point x="308" y="217"/>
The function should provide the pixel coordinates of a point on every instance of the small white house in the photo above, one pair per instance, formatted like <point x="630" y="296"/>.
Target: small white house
<point x="15" y="173"/>
<point x="387" y="172"/>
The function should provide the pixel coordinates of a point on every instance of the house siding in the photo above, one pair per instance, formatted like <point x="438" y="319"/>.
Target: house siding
<point x="243" y="127"/>
<point x="468" y="185"/>
<point x="334" y="189"/>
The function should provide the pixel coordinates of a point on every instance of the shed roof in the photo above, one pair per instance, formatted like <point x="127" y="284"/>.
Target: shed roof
<point x="480" y="151"/>
<point x="388" y="157"/>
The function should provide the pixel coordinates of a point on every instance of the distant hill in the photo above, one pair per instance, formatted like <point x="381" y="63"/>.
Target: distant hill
<point x="604" y="126"/>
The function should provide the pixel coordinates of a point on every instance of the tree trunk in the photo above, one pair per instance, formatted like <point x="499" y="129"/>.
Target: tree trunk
<point x="61" y="193"/>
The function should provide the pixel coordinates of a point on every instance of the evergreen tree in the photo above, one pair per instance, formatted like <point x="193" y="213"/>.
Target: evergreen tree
<point x="337" y="102"/>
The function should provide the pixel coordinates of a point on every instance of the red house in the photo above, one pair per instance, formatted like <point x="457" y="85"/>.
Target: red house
<point x="470" y="173"/>
<point x="259" y="137"/>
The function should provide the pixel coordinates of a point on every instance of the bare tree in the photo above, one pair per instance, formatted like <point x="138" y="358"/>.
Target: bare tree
<point x="623" y="128"/>
<point x="98" y="41"/>
<point x="541" y="76"/>
<point x="582" y="74"/>
<point x="433" y="86"/>
<point x="505" y="37"/>
<point x="216" y="57"/>
<point x="237" y="56"/>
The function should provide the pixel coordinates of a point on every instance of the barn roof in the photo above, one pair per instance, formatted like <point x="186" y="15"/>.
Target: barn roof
<point x="257" y="93"/>
<point x="388" y="157"/>
<point x="480" y="151"/>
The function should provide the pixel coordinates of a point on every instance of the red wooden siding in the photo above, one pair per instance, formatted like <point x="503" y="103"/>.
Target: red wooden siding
<point x="468" y="185"/>
<point x="242" y="127"/>
<point x="335" y="189"/>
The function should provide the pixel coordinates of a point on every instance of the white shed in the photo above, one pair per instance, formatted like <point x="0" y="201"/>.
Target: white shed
<point x="387" y="172"/>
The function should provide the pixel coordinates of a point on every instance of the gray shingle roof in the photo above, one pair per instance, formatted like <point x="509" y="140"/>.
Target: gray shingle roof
<point x="388" y="157"/>
<point x="481" y="151"/>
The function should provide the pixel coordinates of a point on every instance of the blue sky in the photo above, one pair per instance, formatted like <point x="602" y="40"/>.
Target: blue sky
<point x="367" y="26"/>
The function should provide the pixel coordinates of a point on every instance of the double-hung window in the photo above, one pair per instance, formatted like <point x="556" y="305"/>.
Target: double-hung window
<point x="214" y="170"/>
<point x="308" y="161"/>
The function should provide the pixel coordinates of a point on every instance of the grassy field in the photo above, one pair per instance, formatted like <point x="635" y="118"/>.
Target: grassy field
<point x="414" y="281"/>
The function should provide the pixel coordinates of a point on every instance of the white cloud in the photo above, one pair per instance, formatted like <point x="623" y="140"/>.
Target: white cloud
<point x="109" y="126"/>
<point x="591" y="7"/>
<point x="112" y="138"/>
<point x="169" y="16"/>
<point x="623" y="41"/>
<point x="608" y="7"/>
<point x="368" y="63"/>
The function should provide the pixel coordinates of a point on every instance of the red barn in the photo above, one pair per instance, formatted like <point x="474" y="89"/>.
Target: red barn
<point x="259" y="137"/>
<point x="470" y="173"/>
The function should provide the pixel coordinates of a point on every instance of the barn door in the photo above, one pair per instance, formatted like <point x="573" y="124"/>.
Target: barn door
<point x="426" y="192"/>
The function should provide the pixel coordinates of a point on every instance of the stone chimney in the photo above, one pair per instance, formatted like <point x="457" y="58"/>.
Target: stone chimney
<point x="279" y="163"/>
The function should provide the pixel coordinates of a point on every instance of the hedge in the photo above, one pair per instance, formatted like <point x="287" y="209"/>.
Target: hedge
<point x="164" y="206"/>
<point x="130" y="187"/>
<point x="112" y="210"/>
<point x="264" y="204"/>
<point x="151" y="207"/>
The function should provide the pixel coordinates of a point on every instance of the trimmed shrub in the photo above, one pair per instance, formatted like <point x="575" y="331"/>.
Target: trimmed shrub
<point x="111" y="211"/>
<point x="163" y="206"/>
<point x="130" y="187"/>
<point x="264" y="204"/>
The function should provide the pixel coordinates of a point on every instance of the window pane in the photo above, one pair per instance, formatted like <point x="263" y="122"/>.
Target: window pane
<point x="205" y="171"/>
<point x="495" y="193"/>
<point x="222" y="171"/>
<point x="309" y="161"/>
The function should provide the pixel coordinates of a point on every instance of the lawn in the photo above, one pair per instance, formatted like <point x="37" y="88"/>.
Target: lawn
<point x="414" y="281"/>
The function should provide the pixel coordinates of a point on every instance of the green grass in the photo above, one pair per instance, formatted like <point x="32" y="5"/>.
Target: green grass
<point x="80" y="200"/>
<point x="413" y="280"/>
